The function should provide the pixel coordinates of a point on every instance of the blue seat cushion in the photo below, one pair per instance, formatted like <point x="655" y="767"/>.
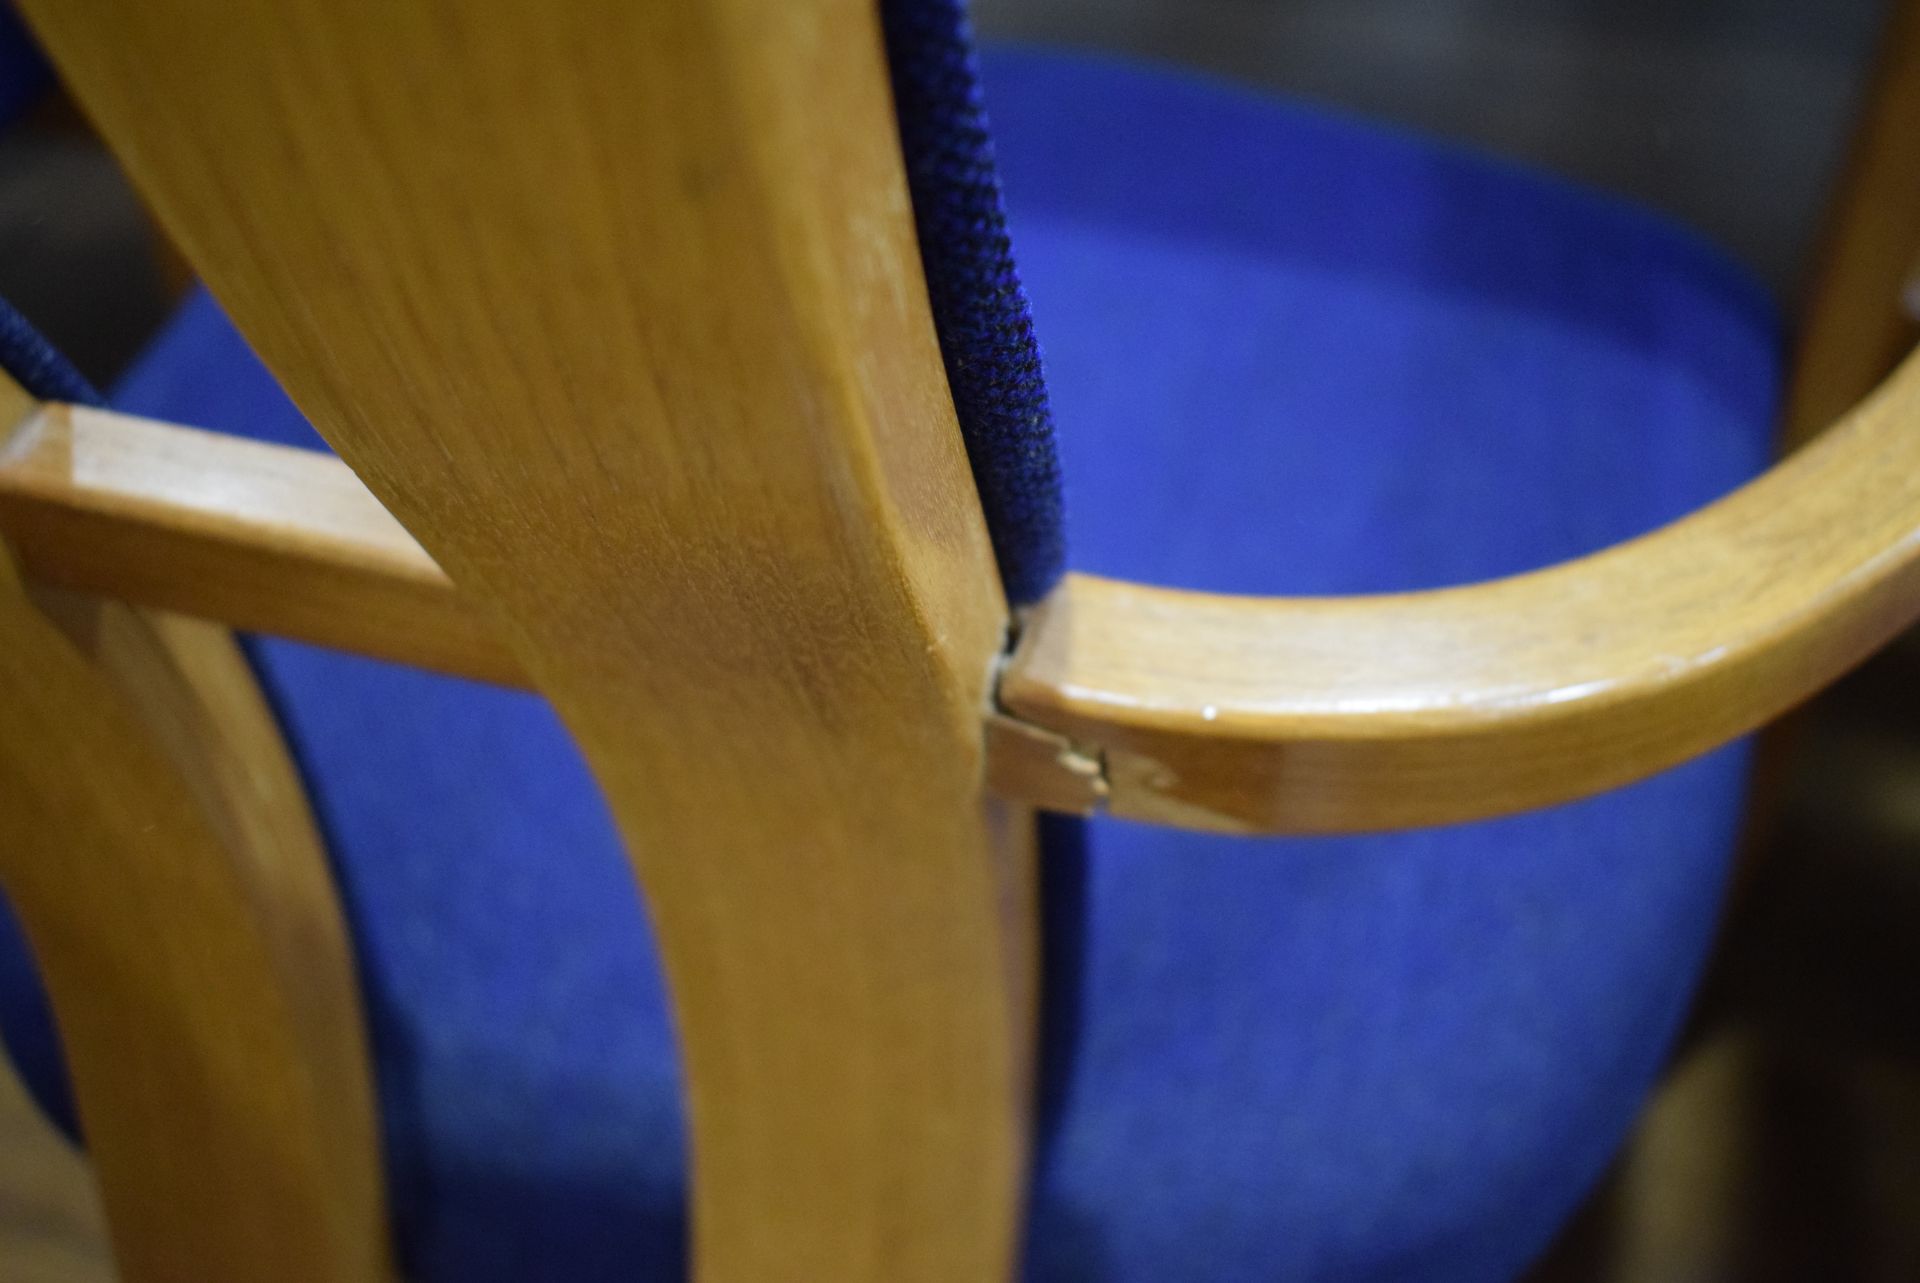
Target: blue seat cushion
<point x="1291" y="353"/>
<point x="1288" y="353"/>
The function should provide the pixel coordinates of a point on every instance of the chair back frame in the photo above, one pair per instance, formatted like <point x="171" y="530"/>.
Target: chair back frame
<point x="618" y="310"/>
<point x="640" y="353"/>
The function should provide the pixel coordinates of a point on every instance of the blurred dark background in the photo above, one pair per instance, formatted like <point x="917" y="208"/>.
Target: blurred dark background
<point x="1785" y="1143"/>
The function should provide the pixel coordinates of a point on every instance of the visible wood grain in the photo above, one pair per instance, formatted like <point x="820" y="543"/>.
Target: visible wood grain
<point x="256" y="536"/>
<point x="1336" y="714"/>
<point x="617" y="307"/>
<point x="155" y="843"/>
<point x="1859" y="320"/>
<point x="289" y="541"/>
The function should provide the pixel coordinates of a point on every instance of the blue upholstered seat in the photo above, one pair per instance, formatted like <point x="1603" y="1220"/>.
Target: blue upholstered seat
<point x="1287" y="352"/>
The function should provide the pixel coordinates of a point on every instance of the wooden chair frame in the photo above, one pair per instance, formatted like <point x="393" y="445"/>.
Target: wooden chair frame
<point x="662" y="433"/>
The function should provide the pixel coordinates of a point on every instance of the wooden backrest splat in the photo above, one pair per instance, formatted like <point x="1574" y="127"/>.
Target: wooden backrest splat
<point x="617" y="308"/>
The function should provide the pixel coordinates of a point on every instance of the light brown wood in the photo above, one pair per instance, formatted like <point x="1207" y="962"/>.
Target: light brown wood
<point x="289" y="541"/>
<point x="1382" y="712"/>
<point x="155" y="843"/>
<point x="617" y="307"/>
<point x="256" y="536"/>
<point x="1859" y="321"/>
<point x="1042" y="768"/>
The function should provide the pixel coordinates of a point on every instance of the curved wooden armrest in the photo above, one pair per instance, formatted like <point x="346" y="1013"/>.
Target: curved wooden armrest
<point x="1357" y="713"/>
<point x="1256" y="714"/>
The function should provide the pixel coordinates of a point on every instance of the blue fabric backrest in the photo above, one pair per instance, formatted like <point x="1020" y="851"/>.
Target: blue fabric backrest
<point x="979" y="308"/>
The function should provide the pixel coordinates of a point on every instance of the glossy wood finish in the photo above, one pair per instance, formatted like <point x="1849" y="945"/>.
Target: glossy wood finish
<point x="257" y="536"/>
<point x="155" y="843"/>
<point x="1334" y="714"/>
<point x="639" y="350"/>
<point x="289" y="541"/>
<point x="1861" y="317"/>
<point x="617" y="307"/>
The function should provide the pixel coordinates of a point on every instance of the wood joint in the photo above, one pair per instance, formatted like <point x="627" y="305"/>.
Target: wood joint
<point x="1042" y="767"/>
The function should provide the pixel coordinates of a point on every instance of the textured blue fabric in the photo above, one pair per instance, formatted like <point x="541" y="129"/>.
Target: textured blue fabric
<point x="36" y="365"/>
<point x="980" y="312"/>
<point x="1291" y="353"/>
<point x="1288" y="353"/>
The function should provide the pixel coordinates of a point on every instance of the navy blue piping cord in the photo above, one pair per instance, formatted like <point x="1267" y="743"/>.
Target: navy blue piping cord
<point x="979" y="308"/>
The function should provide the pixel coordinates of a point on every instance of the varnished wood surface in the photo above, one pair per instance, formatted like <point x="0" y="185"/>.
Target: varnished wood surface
<point x="1335" y="714"/>
<point x="257" y="536"/>
<point x="155" y="844"/>
<point x="1521" y="692"/>
<point x="1860" y="318"/>
<point x="617" y="307"/>
<point x="1110" y="696"/>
